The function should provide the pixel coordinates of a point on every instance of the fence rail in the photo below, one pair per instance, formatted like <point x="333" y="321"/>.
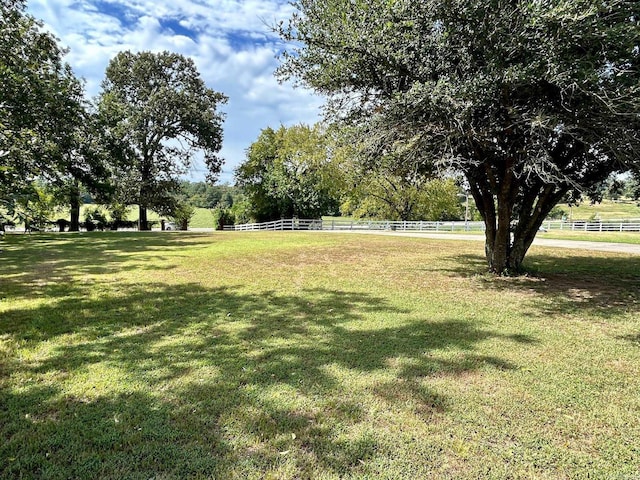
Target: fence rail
<point x="284" y="224"/>
<point x="631" y="225"/>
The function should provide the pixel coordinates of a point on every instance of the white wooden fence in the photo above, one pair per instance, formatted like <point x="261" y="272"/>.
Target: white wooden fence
<point x="631" y="225"/>
<point x="284" y="224"/>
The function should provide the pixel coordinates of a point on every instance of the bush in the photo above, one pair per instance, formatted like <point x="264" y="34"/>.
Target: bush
<point x="118" y="213"/>
<point x="222" y="216"/>
<point x="182" y="214"/>
<point x="95" y="220"/>
<point x="62" y="224"/>
<point x="557" y="213"/>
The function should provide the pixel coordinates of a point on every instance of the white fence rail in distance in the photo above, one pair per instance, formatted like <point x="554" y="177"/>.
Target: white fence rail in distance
<point x="631" y="225"/>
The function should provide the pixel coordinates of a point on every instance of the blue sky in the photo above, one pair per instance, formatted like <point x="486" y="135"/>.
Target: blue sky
<point x="229" y="40"/>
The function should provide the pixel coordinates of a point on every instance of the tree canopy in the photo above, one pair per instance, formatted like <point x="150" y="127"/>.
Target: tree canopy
<point x="531" y="101"/>
<point x="159" y="113"/>
<point x="41" y="106"/>
<point x="287" y="173"/>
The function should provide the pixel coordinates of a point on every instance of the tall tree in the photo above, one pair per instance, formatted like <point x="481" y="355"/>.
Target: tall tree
<point x="530" y="100"/>
<point x="391" y="185"/>
<point x="41" y="105"/>
<point x="286" y="173"/>
<point x="161" y="113"/>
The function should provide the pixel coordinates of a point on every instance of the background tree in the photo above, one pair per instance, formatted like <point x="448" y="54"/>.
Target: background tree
<point x="615" y="187"/>
<point x="388" y="197"/>
<point x="391" y="185"/>
<point x="41" y="106"/>
<point x="205" y="195"/>
<point x="159" y="112"/>
<point x="531" y="101"/>
<point x="632" y="188"/>
<point x="287" y="173"/>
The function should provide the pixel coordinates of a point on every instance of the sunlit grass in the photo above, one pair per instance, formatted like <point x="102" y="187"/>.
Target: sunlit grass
<point x="300" y="355"/>
<point x="605" y="210"/>
<point x="611" y="237"/>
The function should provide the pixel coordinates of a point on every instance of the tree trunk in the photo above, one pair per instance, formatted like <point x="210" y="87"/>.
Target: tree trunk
<point x="506" y="247"/>
<point x="143" y="223"/>
<point x="74" y="199"/>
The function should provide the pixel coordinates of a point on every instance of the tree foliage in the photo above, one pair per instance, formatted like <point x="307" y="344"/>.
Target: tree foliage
<point x="392" y="197"/>
<point x="159" y="113"/>
<point x="391" y="185"/>
<point x="530" y="100"/>
<point x="205" y="195"/>
<point x="287" y="173"/>
<point x="41" y="105"/>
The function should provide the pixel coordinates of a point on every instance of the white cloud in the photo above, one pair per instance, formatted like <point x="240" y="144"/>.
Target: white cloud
<point x="229" y="40"/>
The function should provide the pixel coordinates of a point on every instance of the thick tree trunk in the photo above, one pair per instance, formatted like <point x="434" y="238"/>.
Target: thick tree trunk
<point x="74" y="200"/>
<point x="512" y="214"/>
<point x="145" y="190"/>
<point x="143" y="222"/>
<point x="506" y="247"/>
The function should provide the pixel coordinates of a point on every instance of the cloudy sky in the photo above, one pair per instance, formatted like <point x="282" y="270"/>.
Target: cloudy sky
<point x="229" y="40"/>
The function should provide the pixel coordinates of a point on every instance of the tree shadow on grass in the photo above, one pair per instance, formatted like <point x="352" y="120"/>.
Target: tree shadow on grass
<point x="45" y="264"/>
<point x="127" y="435"/>
<point x="214" y="382"/>
<point x="634" y="338"/>
<point x="574" y="283"/>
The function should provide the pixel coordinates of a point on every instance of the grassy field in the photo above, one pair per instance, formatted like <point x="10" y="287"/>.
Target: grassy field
<point x="612" y="237"/>
<point x="300" y="355"/>
<point x="606" y="210"/>
<point x="202" y="218"/>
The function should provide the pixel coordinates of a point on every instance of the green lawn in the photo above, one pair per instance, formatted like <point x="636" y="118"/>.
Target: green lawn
<point x="606" y="210"/>
<point x="301" y="355"/>
<point x="612" y="237"/>
<point x="202" y="218"/>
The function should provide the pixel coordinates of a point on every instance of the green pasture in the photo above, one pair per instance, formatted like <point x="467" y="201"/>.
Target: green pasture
<point x="606" y="210"/>
<point x="202" y="218"/>
<point x="285" y="355"/>
<point x="610" y="237"/>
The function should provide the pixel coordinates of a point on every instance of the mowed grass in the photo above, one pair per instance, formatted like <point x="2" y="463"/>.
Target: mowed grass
<point x="202" y="217"/>
<point x="609" y="237"/>
<point x="605" y="210"/>
<point x="310" y="355"/>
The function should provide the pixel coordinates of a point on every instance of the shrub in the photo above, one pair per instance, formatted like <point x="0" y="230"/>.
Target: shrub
<point x="222" y="216"/>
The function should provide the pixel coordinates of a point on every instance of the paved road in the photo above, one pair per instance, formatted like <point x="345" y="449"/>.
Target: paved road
<point x="542" y="242"/>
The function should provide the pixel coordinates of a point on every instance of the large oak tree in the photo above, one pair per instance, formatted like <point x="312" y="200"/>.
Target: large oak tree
<point x="532" y="100"/>
<point x="159" y="114"/>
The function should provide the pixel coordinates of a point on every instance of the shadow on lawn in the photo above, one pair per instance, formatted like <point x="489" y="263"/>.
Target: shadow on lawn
<point x="575" y="283"/>
<point x="44" y="264"/>
<point x="221" y="381"/>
